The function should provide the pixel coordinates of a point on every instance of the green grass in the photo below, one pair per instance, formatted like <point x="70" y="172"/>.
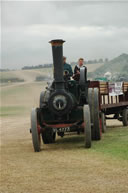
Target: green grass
<point x="10" y="80"/>
<point x="114" y="143"/>
<point x="19" y="100"/>
<point x="17" y="90"/>
<point x="11" y="110"/>
<point x="7" y="75"/>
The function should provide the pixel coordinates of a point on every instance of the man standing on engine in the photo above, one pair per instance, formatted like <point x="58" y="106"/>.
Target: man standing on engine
<point x="67" y="68"/>
<point x="80" y="64"/>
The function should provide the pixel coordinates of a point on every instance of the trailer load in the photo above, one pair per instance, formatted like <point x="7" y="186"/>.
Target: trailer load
<point x="113" y="100"/>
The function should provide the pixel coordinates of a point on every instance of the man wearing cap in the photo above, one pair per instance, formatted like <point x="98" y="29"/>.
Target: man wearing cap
<point x="67" y="68"/>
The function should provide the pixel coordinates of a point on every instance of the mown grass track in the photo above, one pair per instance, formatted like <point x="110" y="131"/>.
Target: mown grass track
<point x="65" y="166"/>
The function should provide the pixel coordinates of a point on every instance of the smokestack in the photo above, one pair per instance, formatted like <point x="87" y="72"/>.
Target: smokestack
<point x="57" y="52"/>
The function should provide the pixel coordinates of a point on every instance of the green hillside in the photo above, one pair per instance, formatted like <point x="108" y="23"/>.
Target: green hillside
<point x="118" y="67"/>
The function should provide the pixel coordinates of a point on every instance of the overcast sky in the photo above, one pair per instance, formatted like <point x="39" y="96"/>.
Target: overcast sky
<point x="91" y="30"/>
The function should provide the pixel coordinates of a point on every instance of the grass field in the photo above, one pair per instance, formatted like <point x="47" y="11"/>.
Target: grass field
<point x="63" y="167"/>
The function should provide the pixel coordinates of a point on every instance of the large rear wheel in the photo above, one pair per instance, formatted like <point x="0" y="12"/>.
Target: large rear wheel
<point x="87" y="126"/>
<point x="35" y="129"/>
<point x="97" y="121"/>
<point x="93" y="97"/>
<point x="91" y="105"/>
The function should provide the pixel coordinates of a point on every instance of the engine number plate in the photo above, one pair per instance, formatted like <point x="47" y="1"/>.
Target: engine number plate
<point x="63" y="129"/>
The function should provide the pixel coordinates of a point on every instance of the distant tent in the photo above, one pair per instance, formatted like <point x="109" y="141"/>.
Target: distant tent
<point x="108" y="75"/>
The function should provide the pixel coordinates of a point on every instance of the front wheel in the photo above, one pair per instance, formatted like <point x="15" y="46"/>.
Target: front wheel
<point x="49" y="136"/>
<point x="35" y="130"/>
<point x="87" y="126"/>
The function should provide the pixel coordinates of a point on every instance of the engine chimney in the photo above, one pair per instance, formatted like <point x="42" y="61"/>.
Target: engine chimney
<point x="57" y="51"/>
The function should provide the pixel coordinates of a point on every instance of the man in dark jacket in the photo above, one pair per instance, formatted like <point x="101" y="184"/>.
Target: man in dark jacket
<point x="67" y="68"/>
<point x="76" y="75"/>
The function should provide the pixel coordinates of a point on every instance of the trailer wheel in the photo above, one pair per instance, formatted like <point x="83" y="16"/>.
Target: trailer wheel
<point x="103" y="122"/>
<point x="87" y="126"/>
<point x="96" y="124"/>
<point x="35" y="131"/>
<point x="48" y="136"/>
<point x="125" y="117"/>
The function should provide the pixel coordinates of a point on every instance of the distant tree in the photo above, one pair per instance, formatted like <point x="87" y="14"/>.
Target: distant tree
<point x="4" y="70"/>
<point x="125" y="68"/>
<point x="122" y="77"/>
<point x="101" y="60"/>
<point x="5" y="80"/>
<point x="106" y="60"/>
<point x="37" y="67"/>
<point x="95" y="61"/>
<point x="90" y="62"/>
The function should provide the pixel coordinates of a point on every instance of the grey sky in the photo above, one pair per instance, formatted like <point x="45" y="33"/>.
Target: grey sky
<point x="91" y="30"/>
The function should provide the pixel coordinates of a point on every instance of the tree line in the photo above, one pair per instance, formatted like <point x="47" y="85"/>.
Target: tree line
<point x="72" y="63"/>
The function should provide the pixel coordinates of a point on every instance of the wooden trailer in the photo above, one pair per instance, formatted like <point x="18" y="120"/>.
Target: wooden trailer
<point x="113" y="100"/>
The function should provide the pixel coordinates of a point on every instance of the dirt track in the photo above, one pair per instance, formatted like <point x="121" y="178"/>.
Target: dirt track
<point x="61" y="167"/>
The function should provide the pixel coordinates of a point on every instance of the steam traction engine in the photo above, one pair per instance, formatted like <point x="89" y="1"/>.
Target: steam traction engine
<point x="64" y="106"/>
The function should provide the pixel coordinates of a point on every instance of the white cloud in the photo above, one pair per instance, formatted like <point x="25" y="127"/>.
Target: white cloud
<point x="90" y="30"/>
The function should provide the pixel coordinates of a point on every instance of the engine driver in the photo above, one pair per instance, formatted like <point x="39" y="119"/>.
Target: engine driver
<point x="67" y="69"/>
